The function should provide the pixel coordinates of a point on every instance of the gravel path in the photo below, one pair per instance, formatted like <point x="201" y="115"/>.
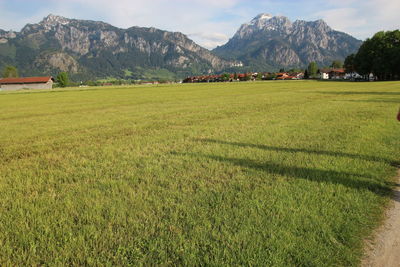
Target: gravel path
<point x="385" y="249"/>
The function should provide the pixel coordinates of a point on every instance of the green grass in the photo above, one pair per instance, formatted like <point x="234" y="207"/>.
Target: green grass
<point x="268" y="173"/>
<point x="154" y="74"/>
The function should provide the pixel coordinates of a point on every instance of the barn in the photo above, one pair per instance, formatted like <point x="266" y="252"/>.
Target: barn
<point x="10" y="84"/>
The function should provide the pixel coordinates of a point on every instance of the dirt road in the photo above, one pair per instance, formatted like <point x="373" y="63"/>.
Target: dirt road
<point x="385" y="250"/>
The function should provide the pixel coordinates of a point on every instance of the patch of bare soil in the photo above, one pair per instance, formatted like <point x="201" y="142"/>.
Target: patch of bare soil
<point x="384" y="251"/>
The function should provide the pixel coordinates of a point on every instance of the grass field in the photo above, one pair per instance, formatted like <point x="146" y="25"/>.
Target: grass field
<point x="267" y="173"/>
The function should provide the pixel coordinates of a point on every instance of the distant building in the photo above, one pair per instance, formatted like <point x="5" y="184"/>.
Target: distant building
<point x="332" y="74"/>
<point x="12" y="84"/>
<point x="282" y="76"/>
<point x="237" y="64"/>
<point x="324" y="75"/>
<point x="295" y="76"/>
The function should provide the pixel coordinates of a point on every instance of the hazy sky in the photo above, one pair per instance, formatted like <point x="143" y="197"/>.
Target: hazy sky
<point x="208" y="22"/>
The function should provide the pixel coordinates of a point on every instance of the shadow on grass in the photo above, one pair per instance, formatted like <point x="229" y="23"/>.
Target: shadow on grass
<point x="301" y="150"/>
<point x="357" y="93"/>
<point x="350" y="180"/>
<point x="397" y="101"/>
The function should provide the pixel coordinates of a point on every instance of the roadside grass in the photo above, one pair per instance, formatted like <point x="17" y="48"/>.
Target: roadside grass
<point x="265" y="173"/>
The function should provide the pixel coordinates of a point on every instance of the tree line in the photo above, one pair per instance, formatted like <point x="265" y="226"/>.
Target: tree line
<point x="379" y="55"/>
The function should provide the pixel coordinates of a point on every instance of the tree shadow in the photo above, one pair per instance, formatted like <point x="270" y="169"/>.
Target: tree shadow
<point x="357" y="93"/>
<point x="397" y="101"/>
<point x="302" y="150"/>
<point x="347" y="179"/>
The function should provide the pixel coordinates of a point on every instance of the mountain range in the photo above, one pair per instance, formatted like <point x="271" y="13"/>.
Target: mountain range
<point x="92" y="49"/>
<point x="275" y="42"/>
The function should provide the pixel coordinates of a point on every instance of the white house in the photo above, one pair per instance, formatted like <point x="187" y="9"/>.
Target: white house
<point x="332" y="74"/>
<point x="324" y="75"/>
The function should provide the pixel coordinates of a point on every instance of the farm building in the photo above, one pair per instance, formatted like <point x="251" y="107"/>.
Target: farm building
<point x="9" y="84"/>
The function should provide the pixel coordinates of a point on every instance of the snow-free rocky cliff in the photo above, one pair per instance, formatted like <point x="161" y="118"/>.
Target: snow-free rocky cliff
<point x="91" y="49"/>
<point x="274" y="41"/>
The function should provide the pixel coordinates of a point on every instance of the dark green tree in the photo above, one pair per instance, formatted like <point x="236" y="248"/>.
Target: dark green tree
<point x="225" y="77"/>
<point x="306" y="76"/>
<point x="312" y="70"/>
<point x="235" y="76"/>
<point x="349" y="63"/>
<point x="337" y="64"/>
<point x="380" y="55"/>
<point x="10" y="72"/>
<point x="62" y="79"/>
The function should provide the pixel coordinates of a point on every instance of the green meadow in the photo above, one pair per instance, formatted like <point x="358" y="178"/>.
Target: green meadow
<point x="254" y="173"/>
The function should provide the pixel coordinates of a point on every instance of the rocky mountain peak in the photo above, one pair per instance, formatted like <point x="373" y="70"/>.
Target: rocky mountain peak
<point x="321" y="25"/>
<point x="274" y="41"/>
<point x="264" y="22"/>
<point x="261" y="18"/>
<point x="53" y="20"/>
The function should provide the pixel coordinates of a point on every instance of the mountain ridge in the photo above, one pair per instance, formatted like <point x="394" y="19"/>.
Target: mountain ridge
<point x="93" y="49"/>
<point x="274" y="41"/>
<point x="90" y="49"/>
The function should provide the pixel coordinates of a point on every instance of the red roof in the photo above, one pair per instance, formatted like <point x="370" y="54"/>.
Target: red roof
<point x="341" y="70"/>
<point x="25" y="80"/>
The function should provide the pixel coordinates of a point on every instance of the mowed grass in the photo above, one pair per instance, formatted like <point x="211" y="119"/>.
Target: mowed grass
<point x="267" y="174"/>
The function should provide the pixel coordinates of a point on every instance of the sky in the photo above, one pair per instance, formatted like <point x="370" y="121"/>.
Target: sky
<point x="208" y="22"/>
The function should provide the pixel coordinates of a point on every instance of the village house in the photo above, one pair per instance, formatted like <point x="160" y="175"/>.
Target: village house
<point x="282" y="76"/>
<point x="12" y="84"/>
<point x="250" y="76"/>
<point x="332" y="74"/>
<point x="297" y="75"/>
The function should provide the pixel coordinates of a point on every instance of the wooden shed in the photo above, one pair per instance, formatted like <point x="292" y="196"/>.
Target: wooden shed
<point x="10" y="84"/>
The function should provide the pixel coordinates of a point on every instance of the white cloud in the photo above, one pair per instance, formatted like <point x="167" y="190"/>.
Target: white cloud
<point x="343" y="19"/>
<point x="362" y="18"/>
<point x="195" y="18"/>
<point x="210" y="39"/>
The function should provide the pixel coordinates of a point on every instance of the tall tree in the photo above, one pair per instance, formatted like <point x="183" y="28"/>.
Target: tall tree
<point x="306" y="76"/>
<point x="380" y="55"/>
<point x="349" y="63"/>
<point x="312" y="70"/>
<point x="337" y="64"/>
<point x="10" y="72"/>
<point x="62" y="79"/>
